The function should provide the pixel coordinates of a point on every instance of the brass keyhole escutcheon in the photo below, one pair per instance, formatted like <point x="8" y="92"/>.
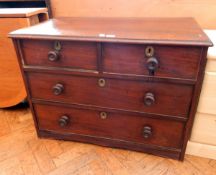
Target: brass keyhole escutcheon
<point x="57" y="46"/>
<point x="101" y="82"/>
<point x="103" y="115"/>
<point x="149" y="51"/>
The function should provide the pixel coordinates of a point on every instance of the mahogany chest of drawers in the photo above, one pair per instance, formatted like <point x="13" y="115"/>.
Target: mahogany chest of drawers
<point x="128" y="83"/>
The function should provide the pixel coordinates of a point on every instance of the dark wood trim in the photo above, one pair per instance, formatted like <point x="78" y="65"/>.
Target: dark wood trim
<point x="19" y="54"/>
<point x="118" y="40"/>
<point x="94" y="73"/>
<point x="146" y="31"/>
<point x="99" y="57"/>
<point x="98" y="108"/>
<point x="48" y="4"/>
<point x="195" y="100"/>
<point x="151" y="149"/>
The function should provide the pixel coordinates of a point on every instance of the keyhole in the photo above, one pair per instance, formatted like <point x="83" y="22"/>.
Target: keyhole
<point x="101" y="82"/>
<point x="103" y="115"/>
<point x="57" y="46"/>
<point x="149" y="51"/>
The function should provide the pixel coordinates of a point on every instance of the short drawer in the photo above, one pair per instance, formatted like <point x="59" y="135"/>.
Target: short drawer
<point x="149" y="97"/>
<point x="134" y="128"/>
<point x="161" y="61"/>
<point x="71" y="54"/>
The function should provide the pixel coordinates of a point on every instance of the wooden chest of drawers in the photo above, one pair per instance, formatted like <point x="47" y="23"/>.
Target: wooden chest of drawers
<point x="127" y="83"/>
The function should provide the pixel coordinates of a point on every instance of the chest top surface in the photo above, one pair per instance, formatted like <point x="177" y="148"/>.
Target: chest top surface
<point x="173" y="31"/>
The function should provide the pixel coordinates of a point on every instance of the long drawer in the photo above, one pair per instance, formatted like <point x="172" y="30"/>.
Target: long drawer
<point x="132" y="128"/>
<point x="149" y="97"/>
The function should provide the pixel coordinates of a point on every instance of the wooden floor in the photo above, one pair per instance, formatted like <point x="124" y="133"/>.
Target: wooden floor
<point x="22" y="153"/>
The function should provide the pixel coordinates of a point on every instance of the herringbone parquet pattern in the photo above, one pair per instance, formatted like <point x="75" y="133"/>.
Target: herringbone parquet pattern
<point x="22" y="153"/>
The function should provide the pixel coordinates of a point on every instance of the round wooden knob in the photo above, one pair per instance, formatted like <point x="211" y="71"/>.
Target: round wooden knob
<point x="152" y="65"/>
<point x="149" y="99"/>
<point x="53" y="56"/>
<point x="147" y="132"/>
<point x="58" y="89"/>
<point x="63" y="121"/>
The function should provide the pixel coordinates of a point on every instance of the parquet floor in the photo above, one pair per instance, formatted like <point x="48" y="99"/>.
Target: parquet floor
<point x="22" y="153"/>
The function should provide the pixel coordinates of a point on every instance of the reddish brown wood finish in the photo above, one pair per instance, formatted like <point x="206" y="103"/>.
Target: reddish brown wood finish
<point x="174" y="31"/>
<point x="124" y="127"/>
<point x="180" y="47"/>
<point x="151" y="149"/>
<point x="119" y="94"/>
<point x="195" y="100"/>
<point x="77" y="55"/>
<point x="174" y="62"/>
<point x="116" y="58"/>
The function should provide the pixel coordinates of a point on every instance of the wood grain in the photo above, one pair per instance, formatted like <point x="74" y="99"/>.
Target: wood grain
<point x="42" y="156"/>
<point x="79" y="55"/>
<point x="163" y="31"/>
<point x="132" y="60"/>
<point x="78" y="158"/>
<point x="89" y="123"/>
<point x="82" y="90"/>
<point x="115" y="95"/>
<point x="202" y="10"/>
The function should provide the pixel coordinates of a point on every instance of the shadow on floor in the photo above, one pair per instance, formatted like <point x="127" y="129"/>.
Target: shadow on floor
<point x="23" y="105"/>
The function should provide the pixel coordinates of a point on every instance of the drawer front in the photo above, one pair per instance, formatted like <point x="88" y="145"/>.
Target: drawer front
<point x="77" y="55"/>
<point x="151" y="97"/>
<point x="175" y="62"/>
<point x="115" y="126"/>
